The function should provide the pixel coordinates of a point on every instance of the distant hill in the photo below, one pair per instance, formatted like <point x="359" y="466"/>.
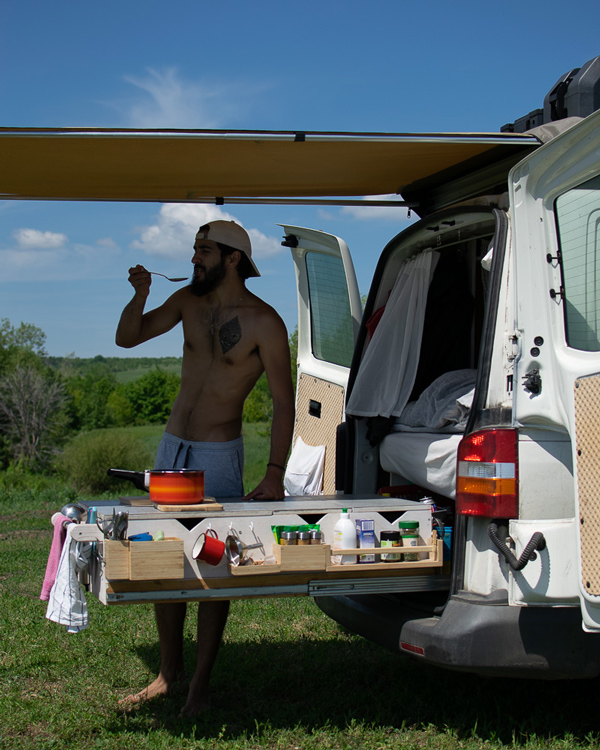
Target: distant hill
<point x="125" y="369"/>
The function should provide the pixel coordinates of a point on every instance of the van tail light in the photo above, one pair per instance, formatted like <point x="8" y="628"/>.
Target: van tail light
<point x="487" y="474"/>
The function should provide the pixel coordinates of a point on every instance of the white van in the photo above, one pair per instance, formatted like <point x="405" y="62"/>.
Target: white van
<point x="475" y="384"/>
<point x="471" y="382"/>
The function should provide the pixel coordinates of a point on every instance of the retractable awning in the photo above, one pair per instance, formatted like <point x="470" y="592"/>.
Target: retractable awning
<point x="239" y="166"/>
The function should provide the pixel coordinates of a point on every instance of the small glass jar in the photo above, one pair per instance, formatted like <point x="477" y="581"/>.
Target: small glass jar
<point x="288" y="537"/>
<point x="409" y="531"/>
<point x="303" y="537"/>
<point x="315" y="536"/>
<point x="390" y="539"/>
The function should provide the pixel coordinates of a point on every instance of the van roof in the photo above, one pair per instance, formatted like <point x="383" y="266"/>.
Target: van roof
<point x="236" y="166"/>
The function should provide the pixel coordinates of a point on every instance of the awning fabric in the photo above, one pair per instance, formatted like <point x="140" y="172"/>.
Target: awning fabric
<point x="195" y="165"/>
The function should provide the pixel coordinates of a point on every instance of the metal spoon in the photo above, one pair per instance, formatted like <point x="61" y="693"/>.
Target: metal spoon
<point x="177" y="278"/>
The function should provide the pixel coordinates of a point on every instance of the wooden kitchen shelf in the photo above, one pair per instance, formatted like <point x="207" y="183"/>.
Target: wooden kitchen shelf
<point x="317" y="558"/>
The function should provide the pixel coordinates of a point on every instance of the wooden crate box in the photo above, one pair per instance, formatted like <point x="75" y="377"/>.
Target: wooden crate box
<point x="143" y="561"/>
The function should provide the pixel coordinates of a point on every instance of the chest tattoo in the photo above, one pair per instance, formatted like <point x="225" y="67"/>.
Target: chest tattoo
<point x="230" y="334"/>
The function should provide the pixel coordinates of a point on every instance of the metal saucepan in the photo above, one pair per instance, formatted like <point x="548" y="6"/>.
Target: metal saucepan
<point x="167" y="487"/>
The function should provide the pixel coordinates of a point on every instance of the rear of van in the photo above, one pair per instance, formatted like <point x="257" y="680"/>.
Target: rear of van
<point x="511" y="338"/>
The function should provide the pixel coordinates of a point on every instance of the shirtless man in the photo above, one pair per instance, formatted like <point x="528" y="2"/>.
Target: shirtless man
<point x="230" y="337"/>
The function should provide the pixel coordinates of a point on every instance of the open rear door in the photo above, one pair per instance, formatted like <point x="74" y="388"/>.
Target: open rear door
<point x="556" y="196"/>
<point x="329" y="313"/>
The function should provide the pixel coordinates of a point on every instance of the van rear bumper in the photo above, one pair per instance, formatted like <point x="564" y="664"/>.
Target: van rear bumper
<point x="475" y="634"/>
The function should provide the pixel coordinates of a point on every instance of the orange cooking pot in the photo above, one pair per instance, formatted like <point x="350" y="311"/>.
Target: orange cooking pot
<point x="177" y="486"/>
<point x="169" y="486"/>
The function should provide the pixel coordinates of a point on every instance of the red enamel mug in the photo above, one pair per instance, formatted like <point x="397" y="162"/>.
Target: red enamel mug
<point x="208" y="548"/>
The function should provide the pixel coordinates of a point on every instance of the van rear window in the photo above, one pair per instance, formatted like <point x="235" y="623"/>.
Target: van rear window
<point x="331" y="321"/>
<point x="578" y="220"/>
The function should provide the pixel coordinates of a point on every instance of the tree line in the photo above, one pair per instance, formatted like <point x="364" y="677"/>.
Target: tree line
<point x="46" y="400"/>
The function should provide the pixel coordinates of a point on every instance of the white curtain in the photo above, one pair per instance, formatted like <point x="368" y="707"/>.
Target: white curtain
<point x="387" y="373"/>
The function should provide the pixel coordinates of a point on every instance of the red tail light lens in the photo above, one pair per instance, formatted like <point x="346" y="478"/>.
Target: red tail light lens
<point x="487" y="474"/>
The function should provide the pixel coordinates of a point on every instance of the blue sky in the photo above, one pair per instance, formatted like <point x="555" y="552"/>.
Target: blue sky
<point x="329" y="65"/>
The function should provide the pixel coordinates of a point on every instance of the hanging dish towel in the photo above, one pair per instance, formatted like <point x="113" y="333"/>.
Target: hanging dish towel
<point x="58" y="542"/>
<point x="67" y="604"/>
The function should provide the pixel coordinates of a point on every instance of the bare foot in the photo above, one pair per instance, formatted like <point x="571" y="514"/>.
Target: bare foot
<point x="195" y="708"/>
<point x="198" y="701"/>
<point x="159" y="687"/>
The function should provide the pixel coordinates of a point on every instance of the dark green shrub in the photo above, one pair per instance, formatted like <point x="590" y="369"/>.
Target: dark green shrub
<point x="147" y="400"/>
<point x="86" y="458"/>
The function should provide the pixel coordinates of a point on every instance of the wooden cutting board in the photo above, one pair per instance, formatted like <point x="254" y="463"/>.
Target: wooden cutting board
<point x="209" y="504"/>
<point x="143" y="501"/>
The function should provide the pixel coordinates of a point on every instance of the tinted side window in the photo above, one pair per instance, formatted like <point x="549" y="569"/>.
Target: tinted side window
<point x="331" y="322"/>
<point x="578" y="219"/>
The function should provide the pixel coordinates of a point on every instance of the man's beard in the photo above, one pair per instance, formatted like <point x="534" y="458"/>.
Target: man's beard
<point x="212" y="278"/>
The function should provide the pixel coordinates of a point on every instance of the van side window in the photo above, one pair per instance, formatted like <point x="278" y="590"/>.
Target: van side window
<point x="578" y="220"/>
<point x="331" y="320"/>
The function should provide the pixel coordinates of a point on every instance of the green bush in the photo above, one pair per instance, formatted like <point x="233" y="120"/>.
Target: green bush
<point x="147" y="400"/>
<point x="86" y="458"/>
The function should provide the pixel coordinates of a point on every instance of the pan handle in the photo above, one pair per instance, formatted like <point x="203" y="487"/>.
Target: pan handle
<point x="139" y="479"/>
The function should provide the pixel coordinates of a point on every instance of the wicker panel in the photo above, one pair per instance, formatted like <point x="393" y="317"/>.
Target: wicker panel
<point x="320" y="430"/>
<point x="587" y="433"/>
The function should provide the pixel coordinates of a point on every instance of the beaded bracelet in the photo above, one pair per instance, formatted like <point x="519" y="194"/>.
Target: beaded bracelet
<point x="277" y="466"/>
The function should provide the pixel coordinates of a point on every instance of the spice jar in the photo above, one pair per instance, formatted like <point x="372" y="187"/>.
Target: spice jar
<point x="390" y="539"/>
<point x="315" y="536"/>
<point x="303" y="537"/>
<point x="288" y="537"/>
<point x="409" y="532"/>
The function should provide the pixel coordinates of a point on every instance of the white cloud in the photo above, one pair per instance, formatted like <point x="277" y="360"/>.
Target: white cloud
<point x="380" y="213"/>
<point x="263" y="246"/>
<point x="30" y="263"/>
<point x="167" y="100"/>
<point x="172" y="236"/>
<point x="43" y="255"/>
<point x="108" y="243"/>
<point x="37" y="240"/>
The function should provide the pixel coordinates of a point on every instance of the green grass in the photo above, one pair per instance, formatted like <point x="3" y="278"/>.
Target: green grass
<point x="286" y="677"/>
<point x="129" y="376"/>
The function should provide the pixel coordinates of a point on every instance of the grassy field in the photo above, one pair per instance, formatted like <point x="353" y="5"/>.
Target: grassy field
<point x="286" y="677"/>
<point x="129" y="376"/>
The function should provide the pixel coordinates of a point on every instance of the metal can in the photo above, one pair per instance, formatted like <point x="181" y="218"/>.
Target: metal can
<point x="409" y="532"/>
<point x="390" y="539"/>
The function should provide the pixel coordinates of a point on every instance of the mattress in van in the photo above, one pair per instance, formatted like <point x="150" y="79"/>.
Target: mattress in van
<point x="424" y="458"/>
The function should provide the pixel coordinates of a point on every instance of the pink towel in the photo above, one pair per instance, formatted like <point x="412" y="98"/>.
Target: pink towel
<point x="58" y="541"/>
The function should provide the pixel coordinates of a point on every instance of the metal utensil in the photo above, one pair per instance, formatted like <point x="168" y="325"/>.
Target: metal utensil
<point x="236" y="550"/>
<point x="74" y="511"/>
<point x="121" y="522"/>
<point x="168" y="278"/>
<point x="114" y="528"/>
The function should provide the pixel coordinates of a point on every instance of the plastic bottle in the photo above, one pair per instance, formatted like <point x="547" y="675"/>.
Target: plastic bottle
<point x="344" y="537"/>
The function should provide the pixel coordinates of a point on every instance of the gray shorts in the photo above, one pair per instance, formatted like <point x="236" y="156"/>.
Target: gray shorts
<point x="223" y="463"/>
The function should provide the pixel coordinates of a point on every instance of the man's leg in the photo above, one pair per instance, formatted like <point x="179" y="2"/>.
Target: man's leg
<point x="212" y="617"/>
<point x="170" y="619"/>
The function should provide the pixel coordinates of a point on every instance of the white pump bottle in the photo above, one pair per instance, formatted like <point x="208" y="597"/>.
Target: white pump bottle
<point x="344" y="537"/>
